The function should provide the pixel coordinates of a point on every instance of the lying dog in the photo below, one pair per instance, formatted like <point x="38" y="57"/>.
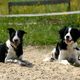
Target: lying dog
<point x="66" y="51"/>
<point x="12" y="50"/>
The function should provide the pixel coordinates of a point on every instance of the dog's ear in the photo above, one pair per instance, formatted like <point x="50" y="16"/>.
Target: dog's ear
<point x="11" y="30"/>
<point x="76" y="33"/>
<point x="61" y="32"/>
<point x="22" y="32"/>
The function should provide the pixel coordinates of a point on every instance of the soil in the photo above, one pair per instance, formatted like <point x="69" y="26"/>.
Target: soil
<point x="38" y="70"/>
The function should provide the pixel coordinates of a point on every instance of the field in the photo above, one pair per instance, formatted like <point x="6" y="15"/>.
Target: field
<point x="37" y="9"/>
<point x="40" y="38"/>
<point x="40" y="30"/>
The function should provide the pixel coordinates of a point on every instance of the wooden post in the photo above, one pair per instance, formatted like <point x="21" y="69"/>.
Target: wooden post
<point x="69" y="5"/>
<point x="9" y="8"/>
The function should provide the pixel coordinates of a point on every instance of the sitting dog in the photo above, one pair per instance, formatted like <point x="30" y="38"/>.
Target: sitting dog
<point x="12" y="50"/>
<point x="66" y="51"/>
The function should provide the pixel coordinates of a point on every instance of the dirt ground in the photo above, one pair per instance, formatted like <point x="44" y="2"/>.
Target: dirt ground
<point x="39" y="70"/>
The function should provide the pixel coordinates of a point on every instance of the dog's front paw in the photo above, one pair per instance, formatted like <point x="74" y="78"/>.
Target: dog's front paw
<point x="9" y="61"/>
<point x="25" y="63"/>
<point x="65" y="62"/>
<point x="22" y="63"/>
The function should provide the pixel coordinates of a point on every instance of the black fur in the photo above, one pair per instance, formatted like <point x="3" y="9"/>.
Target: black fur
<point x="3" y="52"/>
<point x="19" y="48"/>
<point x="75" y="33"/>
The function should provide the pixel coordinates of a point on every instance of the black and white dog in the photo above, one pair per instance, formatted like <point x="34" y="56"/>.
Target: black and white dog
<point x="66" y="51"/>
<point x="12" y="50"/>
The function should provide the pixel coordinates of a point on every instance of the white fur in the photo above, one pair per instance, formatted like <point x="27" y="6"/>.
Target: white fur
<point x="68" y="34"/>
<point x="65" y="62"/>
<point x="16" y="37"/>
<point x="70" y="53"/>
<point x="11" y="55"/>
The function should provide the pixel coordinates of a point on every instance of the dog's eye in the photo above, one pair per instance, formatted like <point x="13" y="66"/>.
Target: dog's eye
<point x="13" y="34"/>
<point x="19" y="35"/>
<point x="66" y="31"/>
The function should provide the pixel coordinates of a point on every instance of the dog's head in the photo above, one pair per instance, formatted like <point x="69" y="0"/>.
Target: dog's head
<point x="69" y="35"/>
<point x="15" y="36"/>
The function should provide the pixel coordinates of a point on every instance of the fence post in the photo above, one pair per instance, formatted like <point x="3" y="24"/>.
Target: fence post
<point x="69" y="5"/>
<point x="9" y="8"/>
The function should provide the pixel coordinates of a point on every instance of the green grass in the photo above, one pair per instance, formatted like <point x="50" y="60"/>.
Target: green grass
<point x="40" y="30"/>
<point x="39" y="9"/>
<point x="37" y="33"/>
<point x="32" y="9"/>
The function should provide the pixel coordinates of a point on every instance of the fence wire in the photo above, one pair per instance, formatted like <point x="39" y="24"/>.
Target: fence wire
<point x="43" y="14"/>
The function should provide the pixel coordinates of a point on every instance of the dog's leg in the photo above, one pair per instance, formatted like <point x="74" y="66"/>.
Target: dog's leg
<point x="22" y="62"/>
<point x="78" y="53"/>
<point x="77" y="61"/>
<point x="65" y="62"/>
<point x="62" y="58"/>
<point x="62" y="55"/>
<point x="9" y="60"/>
<point x="18" y="61"/>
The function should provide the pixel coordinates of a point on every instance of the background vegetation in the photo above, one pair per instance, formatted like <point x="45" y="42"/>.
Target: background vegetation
<point x="40" y="30"/>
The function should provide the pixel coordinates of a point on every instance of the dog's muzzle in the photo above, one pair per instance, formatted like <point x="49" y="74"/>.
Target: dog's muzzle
<point x="16" y="42"/>
<point x="68" y="40"/>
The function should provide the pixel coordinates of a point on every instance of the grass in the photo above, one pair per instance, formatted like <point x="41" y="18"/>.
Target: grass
<point x="37" y="33"/>
<point x="37" y="8"/>
<point x="40" y="30"/>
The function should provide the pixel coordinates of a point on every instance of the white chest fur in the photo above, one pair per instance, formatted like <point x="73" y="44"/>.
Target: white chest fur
<point x="11" y="53"/>
<point x="71" y="52"/>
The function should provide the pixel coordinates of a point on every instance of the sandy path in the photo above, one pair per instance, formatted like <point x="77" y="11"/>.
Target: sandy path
<point x="40" y="70"/>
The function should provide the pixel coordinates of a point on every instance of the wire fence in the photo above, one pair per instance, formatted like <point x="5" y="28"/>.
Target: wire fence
<point x="43" y="14"/>
<point x="41" y="29"/>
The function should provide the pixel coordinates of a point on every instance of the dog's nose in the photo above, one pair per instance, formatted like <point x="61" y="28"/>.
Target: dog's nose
<point x="16" y="40"/>
<point x="67" y="37"/>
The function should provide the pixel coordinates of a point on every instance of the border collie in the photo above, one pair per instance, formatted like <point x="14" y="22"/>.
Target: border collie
<point x="12" y="50"/>
<point x="66" y="51"/>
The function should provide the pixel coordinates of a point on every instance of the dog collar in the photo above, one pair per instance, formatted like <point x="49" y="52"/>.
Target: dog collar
<point x="13" y="45"/>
